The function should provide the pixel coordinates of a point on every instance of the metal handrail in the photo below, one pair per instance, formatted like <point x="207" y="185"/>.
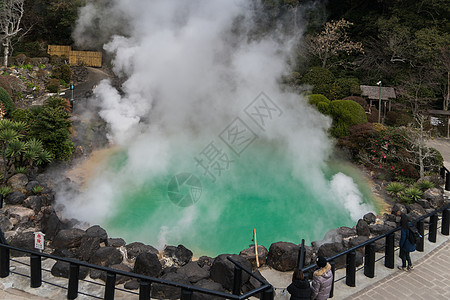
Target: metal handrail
<point x="374" y="239"/>
<point x="265" y="287"/>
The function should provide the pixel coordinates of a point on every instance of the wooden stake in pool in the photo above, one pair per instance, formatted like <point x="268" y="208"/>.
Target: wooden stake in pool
<point x="256" y="247"/>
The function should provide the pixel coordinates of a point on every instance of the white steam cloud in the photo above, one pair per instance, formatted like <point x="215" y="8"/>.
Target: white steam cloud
<point x="190" y="67"/>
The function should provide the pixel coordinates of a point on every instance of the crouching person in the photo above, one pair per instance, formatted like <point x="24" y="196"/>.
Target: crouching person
<point x="322" y="280"/>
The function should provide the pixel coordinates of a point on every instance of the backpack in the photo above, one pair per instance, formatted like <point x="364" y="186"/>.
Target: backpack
<point x="414" y="235"/>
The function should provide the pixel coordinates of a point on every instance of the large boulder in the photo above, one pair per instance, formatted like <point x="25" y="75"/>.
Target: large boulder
<point x="106" y="256"/>
<point x="161" y="291"/>
<point x="115" y="242"/>
<point x="283" y="256"/>
<point x="416" y="209"/>
<point x="23" y="240"/>
<point x="88" y="246"/>
<point x="435" y="197"/>
<point x="253" y="283"/>
<point x="210" y="285"/>
<point x="362" y="228"/>
<point x="250" y="255"/>
<point x="136" y="248"/>
<point x="97" y="231"/>
<point x="5" y="223"/>
<point x="148" y="264"/>
<point x="15" y="198"/>
<point x="68" y="238"/>
<point x="62" y="269"/>
<point x="222" y="270"/>
<point x="120" y="279"/>
<point x="19" y="213"/>
<point x="332" y="249"/>
<point x="51" y="224"/>
<point x="34" y="203"/>
<point x="356" y="241"/>
<point x="18" y="182"/>
<point x="398" y="207"/>
<point x="193" y="272"/>
<point x="379" y="229"/>
<point x="180" y="254"/>
<point x="370" y="218"/>
<point x="424" y="203"/>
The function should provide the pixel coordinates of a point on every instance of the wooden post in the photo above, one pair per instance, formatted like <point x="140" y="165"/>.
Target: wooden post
<point x="256" y="247"/>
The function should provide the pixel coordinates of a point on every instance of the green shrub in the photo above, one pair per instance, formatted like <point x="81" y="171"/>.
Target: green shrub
<point x="315" y="99"/>
<point x="53" y="85"/>
<point x="323" y="107"/>
<point x="411" y="195"/>
<point x="5" y="98"/>
<point x="344" y="87"/>
<point x="345" y="113"/>
<point x="395" y="188"/>
<point x="5" y="190"/>
<point x="424" y="185"/>
<point x="37" y="190"/>
<point x="21" y="170"/>
<point x="321" y="80"/>
<point x="63" y="72"/>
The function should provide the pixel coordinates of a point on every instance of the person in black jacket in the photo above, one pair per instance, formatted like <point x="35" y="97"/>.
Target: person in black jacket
<point x="299" y="288"/>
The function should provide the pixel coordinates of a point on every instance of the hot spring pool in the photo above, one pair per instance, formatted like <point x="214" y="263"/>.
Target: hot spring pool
<point x="257" y="191"/>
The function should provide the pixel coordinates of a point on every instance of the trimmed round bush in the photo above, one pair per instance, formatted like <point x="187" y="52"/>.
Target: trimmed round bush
<point x="345" y="113"/>
<point x="315" y="99"/>
<point x="321" y="79"/>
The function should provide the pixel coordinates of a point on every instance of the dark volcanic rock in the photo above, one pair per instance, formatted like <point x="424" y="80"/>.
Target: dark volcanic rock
<point x="416" y="209"/>
<point x="370" y="218"/>
<point x="169" y="292"/>
<point x="193" y="272"/>
<point x="68" y="238"/>
<point x="106" y="256"/>
<point x="210" y="285"/>
<point x="132" y="285"/>
<point x="283" y="256"/>
<point x="362" y="228"/>
<point x="147" y="264"/>
<point x="62" y="269"/>
<point x="435" y="197"/>
<point x="23" y="240"/>
<point x="249" y="254"/>
<point x="136" y="248"/>
<point x="88" y="246"/>
<point x="97" y="231"/>
<point x="33" y="202"/>
<point x="51" y="224"/>
<point x="331" y="249"/>
<point x="205" y="261"/>
<point x="398" y="207"/>
<point x="115" y="242"/>
<point x="180" y="254"/>
<point x="379" y="229"/>
<point x="15" y="198"/>
<point x="222" y="270"/>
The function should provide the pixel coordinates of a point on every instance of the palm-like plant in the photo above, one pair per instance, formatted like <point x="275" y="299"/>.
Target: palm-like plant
<point x="395" y="189"/>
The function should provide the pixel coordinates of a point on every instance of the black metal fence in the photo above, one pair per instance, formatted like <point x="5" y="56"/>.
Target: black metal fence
<point x="389" y="248"/>
<point x="266" y="290"/>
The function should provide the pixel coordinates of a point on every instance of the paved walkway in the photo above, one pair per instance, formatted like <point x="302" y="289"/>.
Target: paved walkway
<point x="430" y="279"/>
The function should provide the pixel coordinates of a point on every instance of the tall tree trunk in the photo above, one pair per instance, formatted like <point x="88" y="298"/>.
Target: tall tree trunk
<point x="5" y="52"/>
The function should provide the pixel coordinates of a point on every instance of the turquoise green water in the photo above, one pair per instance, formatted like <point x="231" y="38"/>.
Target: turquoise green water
<point x="257" y="191"/>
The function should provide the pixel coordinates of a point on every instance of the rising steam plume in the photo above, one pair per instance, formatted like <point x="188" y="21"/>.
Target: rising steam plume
<point x="189" y="69"/>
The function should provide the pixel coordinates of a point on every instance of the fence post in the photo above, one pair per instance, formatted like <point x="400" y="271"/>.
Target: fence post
<point x="447" y="181"/>
<point x="432" y="231"/>
<point x="72" y="290"/>
<point x="420" y="243"/>
<point x="144" y="290"/>
<point x="237" y="279"/>
<point x="4" y="262"/>
<point x="389" y="251"/>
<point x="350" y="271"/>
<point x="301" y="255"/>
<point x="333" y="270"/>
<point x="268" y="294"/>
<point x="36" y="271"/>
<point x="1" y="200"/>
<point x="445" y="225"/>
<point x="369" y="260"/>
<point x="186" y="294"/>
<point x="110" y="286"/>
<point x="442" y="172"/>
